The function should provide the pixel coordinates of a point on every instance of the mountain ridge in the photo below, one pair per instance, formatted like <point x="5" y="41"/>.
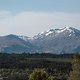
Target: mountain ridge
<point x="65" y="40"/>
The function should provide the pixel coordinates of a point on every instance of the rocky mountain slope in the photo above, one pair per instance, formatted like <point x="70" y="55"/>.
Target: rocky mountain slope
<point x="65" y="40"/>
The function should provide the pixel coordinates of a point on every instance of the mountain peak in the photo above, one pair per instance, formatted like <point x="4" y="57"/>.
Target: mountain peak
<point x="70" y="29"/>
<point x="11" y="36"/>
<point x="57" y="31"/>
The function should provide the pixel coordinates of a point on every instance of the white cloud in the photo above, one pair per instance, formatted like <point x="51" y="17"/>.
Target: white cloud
<point x="4" y="14"/>
<point x="31" y="23"/>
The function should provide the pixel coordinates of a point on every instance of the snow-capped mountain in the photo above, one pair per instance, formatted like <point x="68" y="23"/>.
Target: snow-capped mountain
<point x="55" y="32"/>
<point x="65" y="40"/>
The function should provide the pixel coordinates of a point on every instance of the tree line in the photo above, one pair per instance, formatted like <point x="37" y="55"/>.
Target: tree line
<point x="40" y="66"/>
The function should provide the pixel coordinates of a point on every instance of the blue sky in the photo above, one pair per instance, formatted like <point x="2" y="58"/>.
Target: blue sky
<point x="29" y="17"/>
<point x="40" y="5"/>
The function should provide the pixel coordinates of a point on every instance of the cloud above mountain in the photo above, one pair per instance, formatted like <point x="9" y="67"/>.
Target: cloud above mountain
<point x="31" y="23"/>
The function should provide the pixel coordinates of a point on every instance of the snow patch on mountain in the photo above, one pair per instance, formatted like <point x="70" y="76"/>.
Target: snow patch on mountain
<point x="48" y="33"/>
<point x="25" y="38"/>
<point x="70" y="34"/>
<point x="56" y="31"/>
<point x="64" y="29"/>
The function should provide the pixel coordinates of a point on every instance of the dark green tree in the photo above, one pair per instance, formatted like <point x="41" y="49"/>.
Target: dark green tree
<point x="75" y="73"/>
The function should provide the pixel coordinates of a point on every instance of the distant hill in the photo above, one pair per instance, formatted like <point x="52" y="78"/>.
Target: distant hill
<point x="66" y="40"/>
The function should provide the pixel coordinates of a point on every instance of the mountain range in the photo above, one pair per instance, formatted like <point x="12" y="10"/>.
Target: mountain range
<point x="65" y="40"/>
